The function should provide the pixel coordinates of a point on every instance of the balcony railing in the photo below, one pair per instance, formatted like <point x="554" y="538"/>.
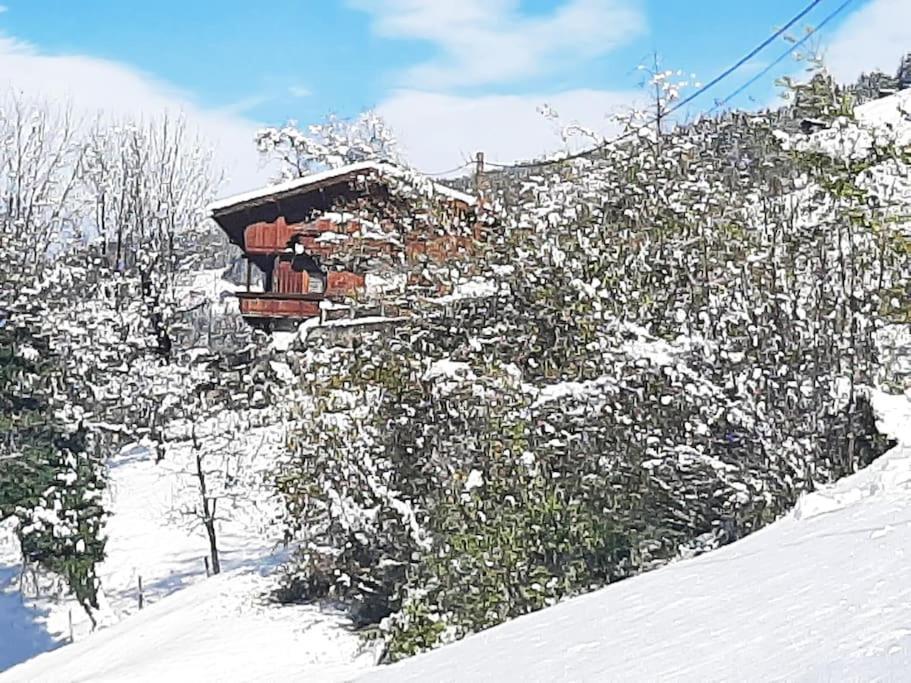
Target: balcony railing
<point x="271" y="305"/>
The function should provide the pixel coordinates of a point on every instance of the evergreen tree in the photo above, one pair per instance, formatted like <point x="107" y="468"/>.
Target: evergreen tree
<point x="48" y="480"/>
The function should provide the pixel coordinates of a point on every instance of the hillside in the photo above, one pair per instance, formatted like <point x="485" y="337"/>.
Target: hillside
<point x="822" y="594"/>
<point x="216" y="630"/>
<point x="637" y="431"/>
<point x="187" y="618"/>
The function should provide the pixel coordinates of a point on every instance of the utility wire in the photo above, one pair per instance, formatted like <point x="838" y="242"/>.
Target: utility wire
<point x="701" y="91"/>
<point x="449" y="172"/>
<point x="755" y="51"/>
<point x="784" y="55"/>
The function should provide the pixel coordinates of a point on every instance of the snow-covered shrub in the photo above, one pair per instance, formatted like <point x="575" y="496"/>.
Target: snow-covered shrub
<point x="331" y="144"/>
<point x="673" y="343"/>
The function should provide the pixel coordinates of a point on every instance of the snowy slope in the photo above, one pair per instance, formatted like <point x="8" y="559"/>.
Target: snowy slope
<point x="148" y="538"/>
<point x="886" y="121"/>
<point x="892" y="111"/>
<point x="824" y="594"/>
<point x="217" y="630"/>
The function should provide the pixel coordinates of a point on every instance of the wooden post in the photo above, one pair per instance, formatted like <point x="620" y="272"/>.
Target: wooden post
<point x="141" y="597"/>
<point x="478" y="177"/>
<point x="71" y="627"/>
<point x="477" y="231"/>
<point x="249" y="273"/>
<point x="208" y="571"/>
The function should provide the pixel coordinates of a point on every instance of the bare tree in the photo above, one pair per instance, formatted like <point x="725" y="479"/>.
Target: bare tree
<point x="331" y="144"/>
<point x="207" y="439"/>
<point x="40" y="164"/>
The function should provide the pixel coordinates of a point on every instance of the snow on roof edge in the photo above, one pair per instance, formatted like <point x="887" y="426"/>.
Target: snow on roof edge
<point x="313" y="178"/>
<point x="447" y="191"/>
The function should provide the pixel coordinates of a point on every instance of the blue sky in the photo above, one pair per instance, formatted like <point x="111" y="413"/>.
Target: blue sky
<point x="421" y="61"/>
<point x="236" y="55"/>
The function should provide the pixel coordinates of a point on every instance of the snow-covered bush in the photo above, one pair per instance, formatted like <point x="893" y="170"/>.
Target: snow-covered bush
<point x="673" y="343"/>
<point x="331" y="144"/>
<point x="50" y="482"/>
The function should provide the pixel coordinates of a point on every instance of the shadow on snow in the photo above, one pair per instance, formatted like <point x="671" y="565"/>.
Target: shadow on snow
<point x="23" y="634"/>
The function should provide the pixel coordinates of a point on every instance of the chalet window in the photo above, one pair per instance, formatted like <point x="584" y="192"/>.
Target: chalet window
<point x="316" y="283"/>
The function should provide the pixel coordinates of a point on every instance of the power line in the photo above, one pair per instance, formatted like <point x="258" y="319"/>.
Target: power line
<point x="755" y="51"/>
<point x="838" y="10"/>
<point x="449" y="172"/>
<point x="701" y="91"/>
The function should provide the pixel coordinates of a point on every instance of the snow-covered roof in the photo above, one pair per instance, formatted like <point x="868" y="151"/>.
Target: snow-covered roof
<point x="314" y="179"/>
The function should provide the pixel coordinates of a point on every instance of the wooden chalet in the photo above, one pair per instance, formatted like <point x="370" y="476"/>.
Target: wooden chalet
<point x="316" y="238"/>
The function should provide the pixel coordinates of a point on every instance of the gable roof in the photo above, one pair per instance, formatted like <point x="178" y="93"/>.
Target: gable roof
<point x="315" y="181"/>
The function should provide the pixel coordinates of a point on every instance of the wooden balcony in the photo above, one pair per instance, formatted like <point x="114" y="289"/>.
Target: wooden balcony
<point x="272" y="305"/>
<point x="294" y="293"/>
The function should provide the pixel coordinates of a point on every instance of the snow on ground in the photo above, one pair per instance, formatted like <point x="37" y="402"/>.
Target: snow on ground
<point x="218" y="630"/>
<point x="27" y="627"/>
<point x="886" y="119"/>
<point x="824" y="594"/>
<point x="149" y="538"/>
<point x="892" y="111"/>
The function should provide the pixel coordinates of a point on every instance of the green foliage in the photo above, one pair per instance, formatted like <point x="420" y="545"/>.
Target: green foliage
<point x="679" y="347"/>
<point x="519" y="542"/>
<point x="48" y="480"/>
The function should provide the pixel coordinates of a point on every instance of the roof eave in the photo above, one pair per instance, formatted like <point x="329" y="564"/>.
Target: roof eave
<point x="315" y="181"/>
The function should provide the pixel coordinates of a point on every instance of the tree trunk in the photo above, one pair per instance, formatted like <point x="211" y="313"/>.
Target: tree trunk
<point x="208" y="512"/>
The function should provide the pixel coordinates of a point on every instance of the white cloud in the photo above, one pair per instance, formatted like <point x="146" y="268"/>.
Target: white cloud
<point x="299" y="91"/>
<point x="440" y="131"/>
<point x="483" y="42"/>
<point x="96" y="86"/>
<point x="490" y="42"/>
<point x="874" y="37"/>
<point x="242" y="105"/>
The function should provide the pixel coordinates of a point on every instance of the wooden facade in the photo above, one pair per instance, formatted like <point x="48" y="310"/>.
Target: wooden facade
<point x="309" y="247"/>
